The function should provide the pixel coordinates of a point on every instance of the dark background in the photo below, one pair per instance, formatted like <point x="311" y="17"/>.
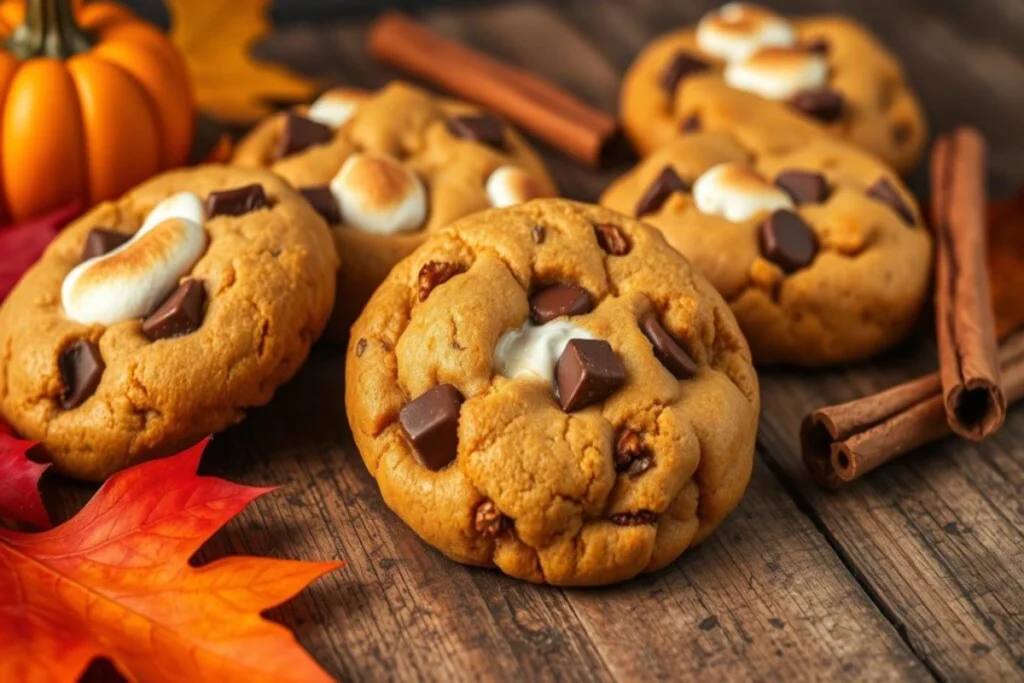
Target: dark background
<point x="302" y="10"/>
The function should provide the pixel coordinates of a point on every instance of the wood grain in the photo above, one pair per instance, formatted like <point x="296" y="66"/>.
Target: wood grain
<point x="915" y="573"/>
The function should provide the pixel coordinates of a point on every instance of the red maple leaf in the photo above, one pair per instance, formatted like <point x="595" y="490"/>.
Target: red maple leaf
<point x="115" y="581"/>
<point x="19" y="482"/>
<point x="21" y="245"/>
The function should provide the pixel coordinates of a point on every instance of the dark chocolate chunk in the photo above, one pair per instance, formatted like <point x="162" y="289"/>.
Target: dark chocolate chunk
<point x="488" y="520"/>
<point x="631" y="455"/>
<point x="539" y="234"/>
<point x="323" y="202"/>
<point x="673" y="356"/>
<point x="691" y="124"/>
<point x="683" y="64"/>
<point x="436" y="273"/>
<point x="667" y="182"/>
<point x="300" y="133"/>
<point x="818" y="46"/>
<point x="102" y="241"/>
<point x="81" y="368"/>
<point x="484" y="129"/>
<point x="236" y="201"/>
<point x="788" y="241"/>
<point x="180" y="314"/>
<point x="803" y="187"/>
<point x="611" y="239"/>
<point x="883" y="191"/>
<point x="638" y="518"/>
<point x="559" y="300"/>
<point x="432" y="425"/>
<point x="823" y="104"/>
<point x="588" y="371"/>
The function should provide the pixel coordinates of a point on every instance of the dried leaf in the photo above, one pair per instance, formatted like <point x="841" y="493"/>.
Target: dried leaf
<point x="19" y="482"/>
<point x="216" y="37"/>
<point x="1006" y="262"/>
<point x="115" y="582"/>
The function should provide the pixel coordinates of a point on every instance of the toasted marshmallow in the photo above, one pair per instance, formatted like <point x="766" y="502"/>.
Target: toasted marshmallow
<point x="737" y="30"/>
<point x="778" y="73"/>
<point x="534" y="350"/>
<point x="335" y="107"/>
<point x="511" y="185"/>
<point x="132" y="280"/>
<point x="378" y="194"/>
<point x="736" y="192"/>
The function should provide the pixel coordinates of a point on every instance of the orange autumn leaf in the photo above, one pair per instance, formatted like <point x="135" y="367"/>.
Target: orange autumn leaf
<point x="216" y="38"/>
<point x="115" y="582"/>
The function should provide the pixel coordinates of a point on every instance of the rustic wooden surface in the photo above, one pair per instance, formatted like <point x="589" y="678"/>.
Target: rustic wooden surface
<point x="915" y="573"/>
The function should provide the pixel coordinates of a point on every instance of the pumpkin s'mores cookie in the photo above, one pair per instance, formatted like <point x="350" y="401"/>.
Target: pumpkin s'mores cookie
<point x="386" y="169"/>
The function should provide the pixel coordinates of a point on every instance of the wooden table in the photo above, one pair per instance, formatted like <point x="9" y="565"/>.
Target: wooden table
<point x="916" y="572"/>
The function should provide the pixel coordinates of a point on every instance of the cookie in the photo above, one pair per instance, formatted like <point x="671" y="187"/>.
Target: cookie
<point x="387" y="168"/>
<point x="826" y="72"/>
<point x="552" y="390"/>
<point x="161" y="317"/>
<point x="818" y="247"/>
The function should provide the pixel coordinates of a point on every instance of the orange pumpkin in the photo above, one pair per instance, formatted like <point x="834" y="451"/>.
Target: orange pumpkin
<point x="92" y="101"/>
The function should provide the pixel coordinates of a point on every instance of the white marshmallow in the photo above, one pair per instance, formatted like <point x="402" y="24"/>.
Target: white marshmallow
<point x="335" y="107"/>
<point x="737" y="30"/>
<point x="534" y="350"/>
<point x="379" y="194"/>
<point x="778" y="73"/>
<point x="132" y="280"/>
<point x="737" y="192"/>
<point x="511" y="185"/>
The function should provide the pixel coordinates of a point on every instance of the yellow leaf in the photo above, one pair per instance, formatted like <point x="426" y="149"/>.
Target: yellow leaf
<point x="216" y="37"/>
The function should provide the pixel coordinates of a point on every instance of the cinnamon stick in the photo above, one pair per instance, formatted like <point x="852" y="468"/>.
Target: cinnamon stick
<point x="973" y="397"/>
<point x="844" y="442"/>
<point x="540" y="107"/>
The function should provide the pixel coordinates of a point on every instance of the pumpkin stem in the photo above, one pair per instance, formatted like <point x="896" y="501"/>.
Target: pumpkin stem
<point x="49" y="30"/>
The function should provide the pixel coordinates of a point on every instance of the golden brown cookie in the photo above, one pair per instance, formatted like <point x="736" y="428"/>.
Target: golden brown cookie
<point x="163" y="316"/>
<point x="818" y="248"/>
<point x="827" y="73"/>
<point x="388" y="168"/>
<point x="552" y="390"/>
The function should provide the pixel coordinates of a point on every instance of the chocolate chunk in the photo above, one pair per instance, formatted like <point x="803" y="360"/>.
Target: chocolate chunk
<point x="667" y="182"/>
<point x="667" y="349"/>
<point x="803" y="187"/>
<point x="432" y="425"/>
<point x="323" y="202"/>
<point x="484" y="129"/>
<point x="236" y="201"/>
<point x="559" y="300"/>
<point x="539" y="234"/>
<point x="102" y="241"/>
<point x="181" y="313"/>
<point x="300" y="133"/>
<point x="437" y="273"/>
<point x="683" y="64"/>
<point x="611" y="239"/>
<point x="588" y="371"/>
<point x="818" y="46"/>
<point x="488" y="520"/>
<point x="81" y="368"/>
<point x="788" y="241"/>
<point x="824" y="104"/>
<point x="638" y="518"/>
<point x="691" y="124"/>
<point x="631" y="455"/>
<point x="883" y="191"/>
